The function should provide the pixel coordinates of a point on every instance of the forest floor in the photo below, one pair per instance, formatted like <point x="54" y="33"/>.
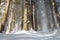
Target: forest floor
<point x="32" y="36"/>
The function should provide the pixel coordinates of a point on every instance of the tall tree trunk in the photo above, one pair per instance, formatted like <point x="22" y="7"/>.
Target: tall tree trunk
<point x="56" y="12"/>
<point x="25" y="17"/>
<point x="4" y="18"/>
<point x="30" y="15"/>
<point x="11" y="19"/>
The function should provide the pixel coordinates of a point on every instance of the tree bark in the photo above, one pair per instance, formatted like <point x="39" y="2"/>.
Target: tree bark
<point x="11" y="19"/>
<point x="4" y="18"/>
<point x="56" y="11"/>
<point x="25" y="17"/>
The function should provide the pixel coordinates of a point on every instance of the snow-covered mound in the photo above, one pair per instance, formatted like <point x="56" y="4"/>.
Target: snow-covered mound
<point x="24" y="32"/>
<point x="34" y="33"/>
<point x="21" y="32"/>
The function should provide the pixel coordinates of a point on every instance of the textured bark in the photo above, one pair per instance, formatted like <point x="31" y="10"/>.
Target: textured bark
<point x="28" y="15"/>
<point x="56" y="11"/>
<point x="11" y="19"/>
<point x="25" y="17"/>
<point x="4" y="18"/>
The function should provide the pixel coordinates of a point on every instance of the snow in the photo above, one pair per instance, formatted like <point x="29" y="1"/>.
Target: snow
<point x="25" y="35"/>
<point x="21" y="32"/>
<point x="33" y="33"/>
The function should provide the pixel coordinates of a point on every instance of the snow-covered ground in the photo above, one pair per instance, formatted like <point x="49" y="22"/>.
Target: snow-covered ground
<point x="34" y="33"/>
<point x="30" y="35"/>
<point x="27" y="37"/>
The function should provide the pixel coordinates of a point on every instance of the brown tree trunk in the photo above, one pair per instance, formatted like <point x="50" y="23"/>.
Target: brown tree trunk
<point x="10" y="27"/>
<point x="25" y="17"/>
<point x="4" y="18"/>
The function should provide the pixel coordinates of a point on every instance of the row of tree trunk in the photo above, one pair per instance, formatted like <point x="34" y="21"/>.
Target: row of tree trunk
<point x="26" y="10"/>
<point x="29" y="15"/>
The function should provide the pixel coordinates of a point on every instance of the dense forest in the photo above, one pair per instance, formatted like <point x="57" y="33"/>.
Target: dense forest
<point x="38" y="15"/>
